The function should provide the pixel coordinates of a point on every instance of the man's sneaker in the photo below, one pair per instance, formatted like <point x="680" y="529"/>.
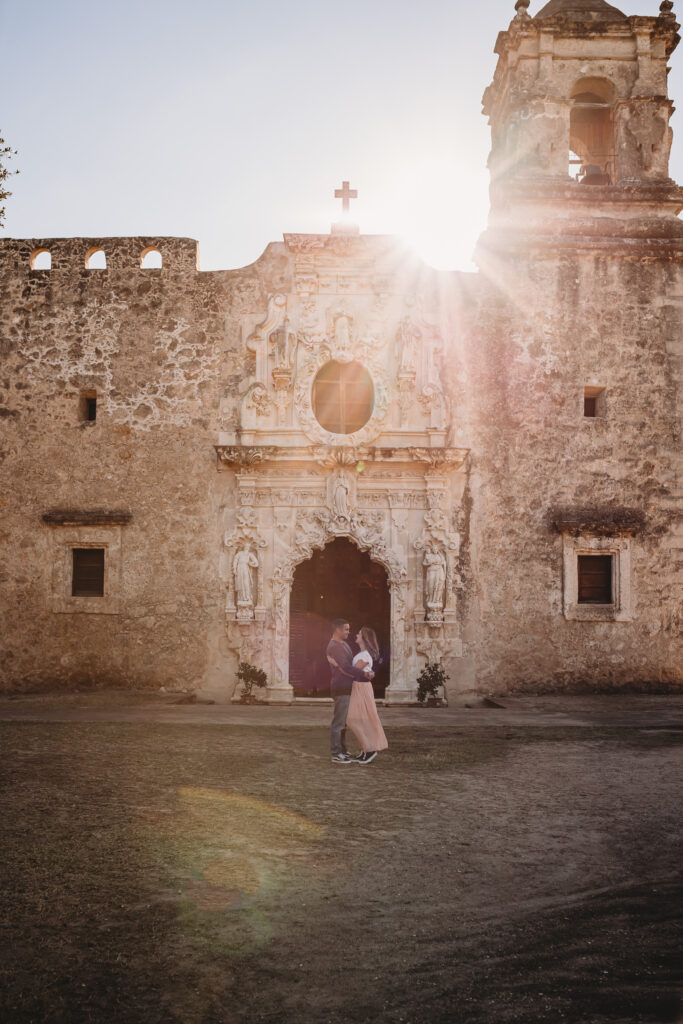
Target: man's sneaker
<point x="342" y="759"/>
<point x="367" y="756"/>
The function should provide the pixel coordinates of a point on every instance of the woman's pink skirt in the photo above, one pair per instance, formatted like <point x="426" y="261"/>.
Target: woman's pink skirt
<point x="363" y="720"/>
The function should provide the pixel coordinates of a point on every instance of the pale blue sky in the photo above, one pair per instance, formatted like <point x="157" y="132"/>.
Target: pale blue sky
<point x="233" y="122"/>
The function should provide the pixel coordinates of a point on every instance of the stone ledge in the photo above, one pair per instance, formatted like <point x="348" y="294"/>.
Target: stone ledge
<point x="599" y="522"/>
<point x="254" y="455"/>
<point x="77" y="517"/>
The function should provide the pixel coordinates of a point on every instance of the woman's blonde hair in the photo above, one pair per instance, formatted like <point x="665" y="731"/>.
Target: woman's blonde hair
<point x="370" y="641"/>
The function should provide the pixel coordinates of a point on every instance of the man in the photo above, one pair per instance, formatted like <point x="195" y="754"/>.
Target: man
<point x="343" y="674"/>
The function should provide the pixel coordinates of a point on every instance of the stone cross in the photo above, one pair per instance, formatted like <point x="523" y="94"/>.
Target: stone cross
<point x="345" y="193"/>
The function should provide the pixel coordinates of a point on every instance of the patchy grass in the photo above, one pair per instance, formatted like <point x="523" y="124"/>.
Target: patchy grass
<point x="199" y="874"/>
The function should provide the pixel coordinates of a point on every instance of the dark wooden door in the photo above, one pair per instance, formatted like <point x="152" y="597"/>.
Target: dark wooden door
<point x="338" y="582"/>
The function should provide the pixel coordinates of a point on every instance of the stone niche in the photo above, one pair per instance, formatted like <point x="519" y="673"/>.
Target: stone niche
<point x="344" y="431"/>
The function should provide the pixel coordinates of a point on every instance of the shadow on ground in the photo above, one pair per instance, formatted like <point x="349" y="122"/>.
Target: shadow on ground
<point x="199" y="874"/>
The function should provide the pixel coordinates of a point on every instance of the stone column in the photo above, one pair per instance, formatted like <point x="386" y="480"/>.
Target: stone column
<point x="402" y="687"/>
<point x="279" y="690"/>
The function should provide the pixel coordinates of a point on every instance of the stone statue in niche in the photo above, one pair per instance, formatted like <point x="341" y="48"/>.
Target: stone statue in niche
<point x="342" y="339"/>
<point x="244" y="561"/>
<point x="408" y="337"/>
<point x="434" y="562"/>
<point x="283" y="345"/>
<point x="340" y="497"/>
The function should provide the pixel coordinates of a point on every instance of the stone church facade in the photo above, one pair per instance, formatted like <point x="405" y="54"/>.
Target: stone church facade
<point x="205" y="467"/>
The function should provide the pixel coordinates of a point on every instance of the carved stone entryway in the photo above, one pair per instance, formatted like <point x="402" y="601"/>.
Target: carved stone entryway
<point x="338" y="582"/>
<point x="343" y="440"/>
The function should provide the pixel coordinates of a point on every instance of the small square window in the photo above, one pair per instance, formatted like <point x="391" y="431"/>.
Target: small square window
<point x="88" y="406"/>
<point x="594" y="404"/>
<point x="87" y="578"/>
<point x="595" y="579"/>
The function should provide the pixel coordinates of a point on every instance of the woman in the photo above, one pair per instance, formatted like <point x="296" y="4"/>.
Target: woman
<point x="362" y="718"/>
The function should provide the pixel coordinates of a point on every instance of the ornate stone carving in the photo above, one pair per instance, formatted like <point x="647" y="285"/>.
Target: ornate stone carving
<point x="257" y="340"/>
<point x="238" y="455"/>
<point x="331" y="457"/>
<point x="434" y="563"/>
<point x="243" y="563"/>
<point x="438" y="457"/>
<point x="399" y="519"/>
<point x="258" y="399"/>
<point x="275" y="316"/>
<point x="341" y="488"/>
<point x="408" y="341"/>
<point x="340" y="345"/>
<point x="282" y="344"/>
<point x="304" y="409"/>
<point x="435" y="404"/>
<point x="311" y="325"/>
<point x="438" y="542"/>
<point x="246" y="568"/>
<point x="282" y="518"/>
<point x="315" y="528"/>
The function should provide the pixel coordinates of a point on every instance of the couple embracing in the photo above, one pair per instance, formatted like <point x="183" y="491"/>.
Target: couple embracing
<point x="353" y="696"/>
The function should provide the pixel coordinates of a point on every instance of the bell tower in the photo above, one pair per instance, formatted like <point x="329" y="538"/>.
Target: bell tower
<point x="579" y="114"/>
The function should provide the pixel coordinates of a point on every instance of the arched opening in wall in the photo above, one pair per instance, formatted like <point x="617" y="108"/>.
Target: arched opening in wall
<point x="41" y="259"/>
<point x="150" y="259"/>
<point x="339" y="581"/>
<point x="591" y="132"/>
<point x="96" y="260"/>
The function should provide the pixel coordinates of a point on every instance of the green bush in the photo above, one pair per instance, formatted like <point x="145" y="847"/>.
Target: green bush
<point x="429" y="680"/>
<point x="250" y="676"/>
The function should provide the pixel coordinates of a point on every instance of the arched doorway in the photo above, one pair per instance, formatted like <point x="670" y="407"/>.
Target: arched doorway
<point x="339" y="581"/>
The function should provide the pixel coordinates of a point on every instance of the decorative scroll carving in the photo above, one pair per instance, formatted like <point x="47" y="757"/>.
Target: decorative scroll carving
<point x="344" y="345"/>
<point x="332" y="457"/>
<point x="256" y="342"/>
<point x="438" y="457"/>
<point x="433" y="646"/>
<point x="258" y="399"/>
<point x="315" y="528"/>
<point x="275" y="316"/>
<point x="238" y="455"/>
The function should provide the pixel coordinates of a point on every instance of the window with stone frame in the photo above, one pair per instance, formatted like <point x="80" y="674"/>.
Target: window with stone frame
<point x="343" y="397"/>
<point x="596" y="576"/>
<point x="86" y="560"/>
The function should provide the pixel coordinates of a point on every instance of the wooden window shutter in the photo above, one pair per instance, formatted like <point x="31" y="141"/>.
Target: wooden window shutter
<point x="88" y="572"/>
<point x="595" y="579"/>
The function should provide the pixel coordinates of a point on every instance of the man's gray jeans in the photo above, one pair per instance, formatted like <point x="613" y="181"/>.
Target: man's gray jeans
<point x="338" y="727"/>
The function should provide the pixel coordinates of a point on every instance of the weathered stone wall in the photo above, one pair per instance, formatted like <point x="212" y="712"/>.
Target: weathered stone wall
<point x="158" y="349"/>
<point x="165" y="353"/>
<point x="545" y="328"/>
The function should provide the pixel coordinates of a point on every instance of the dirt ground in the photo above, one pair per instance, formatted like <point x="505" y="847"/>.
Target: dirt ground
<point x="198" y="873"/>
